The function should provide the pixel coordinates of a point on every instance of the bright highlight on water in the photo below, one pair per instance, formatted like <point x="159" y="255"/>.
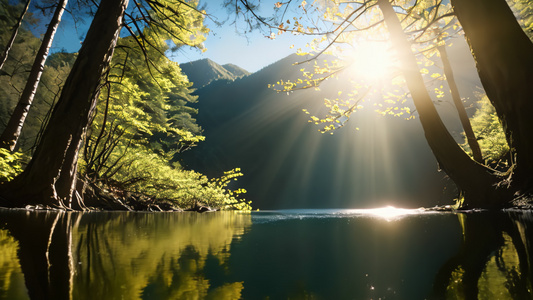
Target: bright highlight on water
<point x="388" y="213"/>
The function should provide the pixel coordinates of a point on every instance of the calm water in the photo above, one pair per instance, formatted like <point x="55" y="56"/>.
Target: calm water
<point x="292" y="254"/>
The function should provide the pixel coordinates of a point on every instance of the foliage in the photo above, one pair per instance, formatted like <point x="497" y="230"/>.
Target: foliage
<point x="355" y="36"/>
<point x="490" y="134"/>
<point x="148" y="173"/>
<point x="140" y="109"/>
<point x="144" y="121"/>
<point x="144" y="102"/>
<point x="144" y="106"/>
<point x="14" y="75"/>
<point x="176" y="21"/>
<point x="10" y="164"/>
<point x="524" y="11"/>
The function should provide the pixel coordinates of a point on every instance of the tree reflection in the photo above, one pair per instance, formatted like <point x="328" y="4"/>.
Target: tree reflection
<point x="53" y="255"/>
<point x="44" y="251"/>
<point x="118" y="255"/>
<point x="494" y="261"/>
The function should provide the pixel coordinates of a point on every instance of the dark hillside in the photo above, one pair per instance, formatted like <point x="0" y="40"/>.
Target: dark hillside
<point x="288" y="164"/>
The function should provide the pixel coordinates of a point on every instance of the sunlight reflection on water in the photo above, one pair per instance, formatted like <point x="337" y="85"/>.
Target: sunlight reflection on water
<point x="388" y="213"/>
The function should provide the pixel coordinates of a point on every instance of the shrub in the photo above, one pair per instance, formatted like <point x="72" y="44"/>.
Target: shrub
<point x="146" y="172"/>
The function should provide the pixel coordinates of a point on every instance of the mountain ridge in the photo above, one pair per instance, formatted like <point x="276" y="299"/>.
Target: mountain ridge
<point x="204" y="71"/>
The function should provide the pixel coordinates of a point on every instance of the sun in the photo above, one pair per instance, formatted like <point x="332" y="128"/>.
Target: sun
<point x="370" y="61"/>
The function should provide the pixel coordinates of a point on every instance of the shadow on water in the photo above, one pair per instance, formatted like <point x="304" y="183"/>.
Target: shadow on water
<point x="300" y="254"/>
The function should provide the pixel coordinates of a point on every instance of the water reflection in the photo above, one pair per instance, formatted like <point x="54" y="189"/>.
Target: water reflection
<point x="494" y="261"/>
<point x="298" y="254"/>
<point x="117" y="255"/>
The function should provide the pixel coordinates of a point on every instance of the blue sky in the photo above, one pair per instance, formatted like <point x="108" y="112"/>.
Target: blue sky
<point x="251" y="52"/>
<point x="225" y="44"/>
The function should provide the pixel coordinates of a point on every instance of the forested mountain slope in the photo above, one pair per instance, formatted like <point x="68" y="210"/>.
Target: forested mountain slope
<point x="287" y="163"/>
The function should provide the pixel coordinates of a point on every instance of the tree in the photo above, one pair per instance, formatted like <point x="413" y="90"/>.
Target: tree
<point x="472" y="178"/>
<point x="143" y="123"/>
<point x="14" y="73"/>
<point x="137" y="106"/>
<point x="505" y="71"/>
<point x="50" y="177"/>
<point x="52" y="171"/>
<point x="461" y="111"/>
<point x="16" y="27"/>
<point x="11" y="133"/>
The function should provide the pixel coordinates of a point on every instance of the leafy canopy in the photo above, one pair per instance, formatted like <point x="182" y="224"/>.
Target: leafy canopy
<point x="353" y="41"/>
<point x="144" y="119"/>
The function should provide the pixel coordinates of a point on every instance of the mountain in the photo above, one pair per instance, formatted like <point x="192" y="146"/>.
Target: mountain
<point x="204" y="71"/>
<point x="236" y="70"/>
<point x="287" y="163"/>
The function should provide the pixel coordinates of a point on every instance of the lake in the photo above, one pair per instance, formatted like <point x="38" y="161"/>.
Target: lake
<point x="289" y="254"/>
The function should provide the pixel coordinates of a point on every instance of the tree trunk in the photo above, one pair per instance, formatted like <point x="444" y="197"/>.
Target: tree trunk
<point x="50" y="177"/>
<point x="13" y="129"/>
<point x="476" y="181"/>
<point x="461" y="111"/>
<point x="504" y="59"/>
<point x="5" y="53"/>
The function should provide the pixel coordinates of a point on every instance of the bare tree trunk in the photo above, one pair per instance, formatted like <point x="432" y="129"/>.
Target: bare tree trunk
<point x="504" y="59"/>
<point x="475" y="180"/>
<point x="5" y="53"/>
<point x="467" y="127"/>
<point x="50" y="177"/>
<point x="11" y="133"/>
